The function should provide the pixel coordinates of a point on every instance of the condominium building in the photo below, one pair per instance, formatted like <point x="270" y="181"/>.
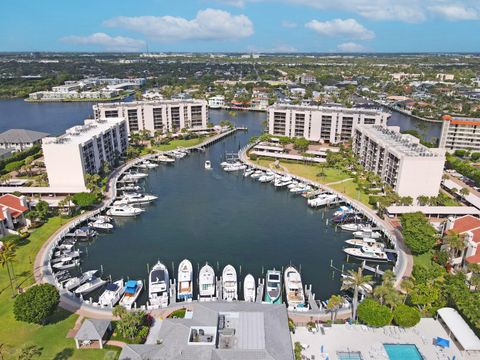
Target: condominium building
<point x="320" y="123"/>
<point x="158" y="115"/>
<point x="460" y="133"/>
<point x="410" y="168"/>
<point x="82" y="150"/>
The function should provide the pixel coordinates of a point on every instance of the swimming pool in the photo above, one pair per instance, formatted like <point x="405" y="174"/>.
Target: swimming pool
<point x="402" y="352"/>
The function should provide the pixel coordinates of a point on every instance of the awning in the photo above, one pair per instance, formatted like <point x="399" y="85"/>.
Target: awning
<point x="460" y="329"/>
<point x="442" y="342"/>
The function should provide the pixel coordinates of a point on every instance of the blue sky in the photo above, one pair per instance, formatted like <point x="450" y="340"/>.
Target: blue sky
<point x="241" y="25"/>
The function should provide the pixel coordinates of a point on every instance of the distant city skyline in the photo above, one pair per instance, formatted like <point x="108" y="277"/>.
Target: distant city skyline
<point x="242" y="25"/>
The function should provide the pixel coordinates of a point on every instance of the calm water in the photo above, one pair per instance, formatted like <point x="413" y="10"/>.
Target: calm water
<point x="207" y="215"/>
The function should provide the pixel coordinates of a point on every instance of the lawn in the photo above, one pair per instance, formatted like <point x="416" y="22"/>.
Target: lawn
<point x="424" y="259"/>
<point x="172" y="145"/>
<point x="332" y="175"/>
<point x="51" y="337"/>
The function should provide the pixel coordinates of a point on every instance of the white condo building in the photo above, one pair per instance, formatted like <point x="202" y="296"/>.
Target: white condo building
<point x="320" y="123"/>
<point x="460" y="133"/>
<point x="410" y="168"/>
<point x="157" y="115"/>
<point x="216" y="102"/>
<point x="82" y="150"/>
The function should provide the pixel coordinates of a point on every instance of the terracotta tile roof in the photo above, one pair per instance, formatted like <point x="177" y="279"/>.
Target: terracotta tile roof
<point x="14" y="203"/>
<point x="476" y="235"/>
<point x="464" y="223"/>
<point x="474" y="258"/>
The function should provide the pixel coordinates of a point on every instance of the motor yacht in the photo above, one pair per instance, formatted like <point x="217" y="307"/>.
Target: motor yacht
<point x="294" y="294"/>
<point x="124" y="211"/>
<point x="367" y="253"/>
<point x="206" y="283"/>
<point x="249" y="288"/>
<point x="229" y="283"/>
<point x="273" y="292"/>
<point x="159" y="286"/>
<point x="112" y="294"/>
<point x="185" y="281"/>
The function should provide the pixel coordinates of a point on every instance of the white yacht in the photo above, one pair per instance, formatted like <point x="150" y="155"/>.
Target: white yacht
<point x="177" y="154"/>
<point x="79" y="280"/>
<point x="295" y="296"/>
<point x="100" y="225"/>
<point x="367" y="233"/>
<point x="66" y="264"/>
<point x="165" y="159"/>
<point x="92" y="284"/>
<point x="124" y="211"/>
<point x="273" y="291"/>
<point x="268" y="177"/>
<point x="206" y="282"/>
<point x="158" y="286"/>
<point x="322" y="200"/>
<point x="235" y="167"/>
<point x="366" y="242"/>
<point x="300" y="188"/>
<point x="367" y="253"/>
<point x="103" y="218"/>
<point x="248" y="172"/>
<point x="208" y="165"/>
<point x="281" y="181"/>
<point x="229" y="283"/>
<point x="112" y="294"/>
<point x="130" y="188"/>
<point x="185" y="281"/>
<point x="257" y="174"/>
<point x="147" y="165"/>
<point x="133" y="176"/>
<point x="249" y="288"/>
<point x="135" y="198"/>
<point x="133" y="288"/>
<point x="353" y="227"/>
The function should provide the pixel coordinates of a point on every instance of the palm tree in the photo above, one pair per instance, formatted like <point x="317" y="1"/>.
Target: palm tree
<point x="407" y="285"/>
<point x="5" y="258"/>
<point x="10" y="248"/>
<point x="66" y="202"/>
<point x="356" y="280"/>
<point x="464" y="192"/>
<point x="334" y="304"/>
<point x="455" y="243"/>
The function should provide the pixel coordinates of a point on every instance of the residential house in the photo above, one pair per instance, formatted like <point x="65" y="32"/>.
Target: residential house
<point x="20" y="139"/>
<point x="469" y="227"/>
<point x="12" y="215"/>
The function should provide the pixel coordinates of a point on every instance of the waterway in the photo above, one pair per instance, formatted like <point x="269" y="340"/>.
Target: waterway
<point x="207" y="215"/>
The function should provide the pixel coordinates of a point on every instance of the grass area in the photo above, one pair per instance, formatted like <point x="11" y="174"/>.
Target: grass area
<point x="177" y="314"/>
<point x="332" y="175"/>
<point x="51" y="337"/>
<point x="424" y="259"/>
<point x="172" y="145"/>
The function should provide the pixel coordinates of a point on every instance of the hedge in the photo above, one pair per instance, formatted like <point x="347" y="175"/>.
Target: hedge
<point x="19" y="156"/>
<point x="374" y="314"/>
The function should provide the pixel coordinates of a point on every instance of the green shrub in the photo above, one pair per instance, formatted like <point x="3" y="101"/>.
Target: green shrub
<point x="85" y="200"/>
<point x="36" y="304"/>
<point x="14" y="165"/>
<point x="418" y="233"/>
<point x="406" y="316"/>
<point x="374" y="314"/>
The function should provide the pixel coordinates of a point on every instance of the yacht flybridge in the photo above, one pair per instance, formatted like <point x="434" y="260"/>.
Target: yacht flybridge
<point x="294" y="294"/>
<point x="185" y="281"/>
<point x="206" y="283"/>
<point x="229" y="283"/>
<point x="158" y="286"/>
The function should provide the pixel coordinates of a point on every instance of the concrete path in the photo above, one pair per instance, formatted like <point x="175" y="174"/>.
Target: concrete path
<point x="154" y="332"/>
<point x="116" y="343"/>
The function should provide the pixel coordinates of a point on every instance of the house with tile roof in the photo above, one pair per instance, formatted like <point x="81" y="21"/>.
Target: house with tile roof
<point x="469" y="227"/>
<point x="12" y="213"/>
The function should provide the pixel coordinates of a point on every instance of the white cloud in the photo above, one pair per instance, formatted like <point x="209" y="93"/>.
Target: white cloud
<point x="106" y="42"/>
<point x="348" y="28"/>
<point x="351" y="47"/>
<point x="236" y="3"/>
<point x="288" y="24"/>
<point x="209" y="24"/>
<point x="456" y="12"/>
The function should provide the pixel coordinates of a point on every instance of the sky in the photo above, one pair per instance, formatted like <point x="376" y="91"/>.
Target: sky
<point x="241" y="25"/>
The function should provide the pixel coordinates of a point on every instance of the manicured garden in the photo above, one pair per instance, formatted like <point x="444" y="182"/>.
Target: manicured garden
<point x="174" y="144"/>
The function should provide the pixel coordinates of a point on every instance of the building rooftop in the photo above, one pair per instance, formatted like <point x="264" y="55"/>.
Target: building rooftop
<point x="434" y="210"/>
<point x="82" y="133"/>
<point x="148" y="102"/>
<point x="21" y="136"/>
<point x="404" y="144"/>
<point x="460" y="329"/>
<point x="92" y="329"/>
<point x="326" y="109"/>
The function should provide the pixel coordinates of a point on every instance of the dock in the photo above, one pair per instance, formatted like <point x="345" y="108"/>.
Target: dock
<point x="218" y="284"/>
<point x="261" y="285"/>
<point x="376" y="270"/>
<point x="216" y="138"/>
<point x="313" y="304"/>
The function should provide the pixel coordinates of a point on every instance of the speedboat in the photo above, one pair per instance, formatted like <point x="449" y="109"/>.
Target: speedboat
<point x="229" y="283"/>
<point x="158" y="286"/>
<point x="367" y="233"/>
<point x="67" y="264"/>
<point x="273" y="293"/>
<point x="353" y="227"/>
<point x="235" y="167"/>
<point x="100" y="225"/>
<point x="103" y="218"/>
<point x="112" y="294"/>
<point x="130" y="188"/>
<point x="367" y="253"/>
<point x="292" y="184"/>
<point x="206" y="282"/>
<point x="133" y="288"/>
<point x="282" y="181"/>
<point x="124" y="210"/>
<point x="300" y="188"/>
<point x="268" y="177"/>
<point x="65" y="246"/>
<point x="133" y="176"/>
<point x="208" y="165"/>
<point x="165" y="159"/>
<point x="84" y="232"/>
<point x="249" y="288"/>
<point x="176" y="154"/>
<point x="248" y="172"/>
<point x="322" y="200"/>
<point x="146" y="165"/>
<point x="92" y="284"/>
<point x="62" y="276"/>
<point x="256" y="174"/>
<point x="294" y="289"/>
<point x="67" y="253"/>
<point x="77" y="281"/>
<point x="135" y="198"/>
<point x="366" y="242"/>
<point x="343" y="210"/>
<point x="225" y="163"/>
<point x="185" y="281"/>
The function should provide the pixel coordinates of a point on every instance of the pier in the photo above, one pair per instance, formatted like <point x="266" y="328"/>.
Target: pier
<point x="216" y="138"/>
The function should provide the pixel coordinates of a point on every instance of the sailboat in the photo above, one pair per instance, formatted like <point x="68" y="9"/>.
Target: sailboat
<point x="158" y="286"/>
<point x="273" y="293"/>
<point x="229" y="283"/>
<point x="206" y="283"/>
<point x="294" y="289"/>
<point x="185" y="281"/>
<point x="133" y="288"/>
<point x="249" y="288"/>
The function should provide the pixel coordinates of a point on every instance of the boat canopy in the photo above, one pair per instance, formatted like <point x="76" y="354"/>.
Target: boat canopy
<point x="111" y="287"/>
<point x="131" y="287"/>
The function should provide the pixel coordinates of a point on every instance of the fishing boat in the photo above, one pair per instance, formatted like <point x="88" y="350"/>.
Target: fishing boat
<point x="100" y="225"/>
<point x="165" y="159"/>
<point x="229" y="283"/>
<point x="367" y="233"/>
<point x="208" y="165"/>
<point x="133" y="288"/>
<point x="249" y="288"/>
<point x="367" y="253"/>
<point x="158" y="286"/>
<point x="353" y="227"/>
<point x="185" y="281"/>
<point x="342" y="210"/>
<point x="206" y="283"/>
<point x="322" y="200"/>
<point x="294" y="289"/>
<point x="92" y="284"/>
<point x="365" y="242"/>
<point x="79" y="280"/>
<point x="112" y="294"/>
<point x="124" y="210"/>
<point x="66" y="264"/>
<point x="85" y="232"/>
<point x="273" y="293"/>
